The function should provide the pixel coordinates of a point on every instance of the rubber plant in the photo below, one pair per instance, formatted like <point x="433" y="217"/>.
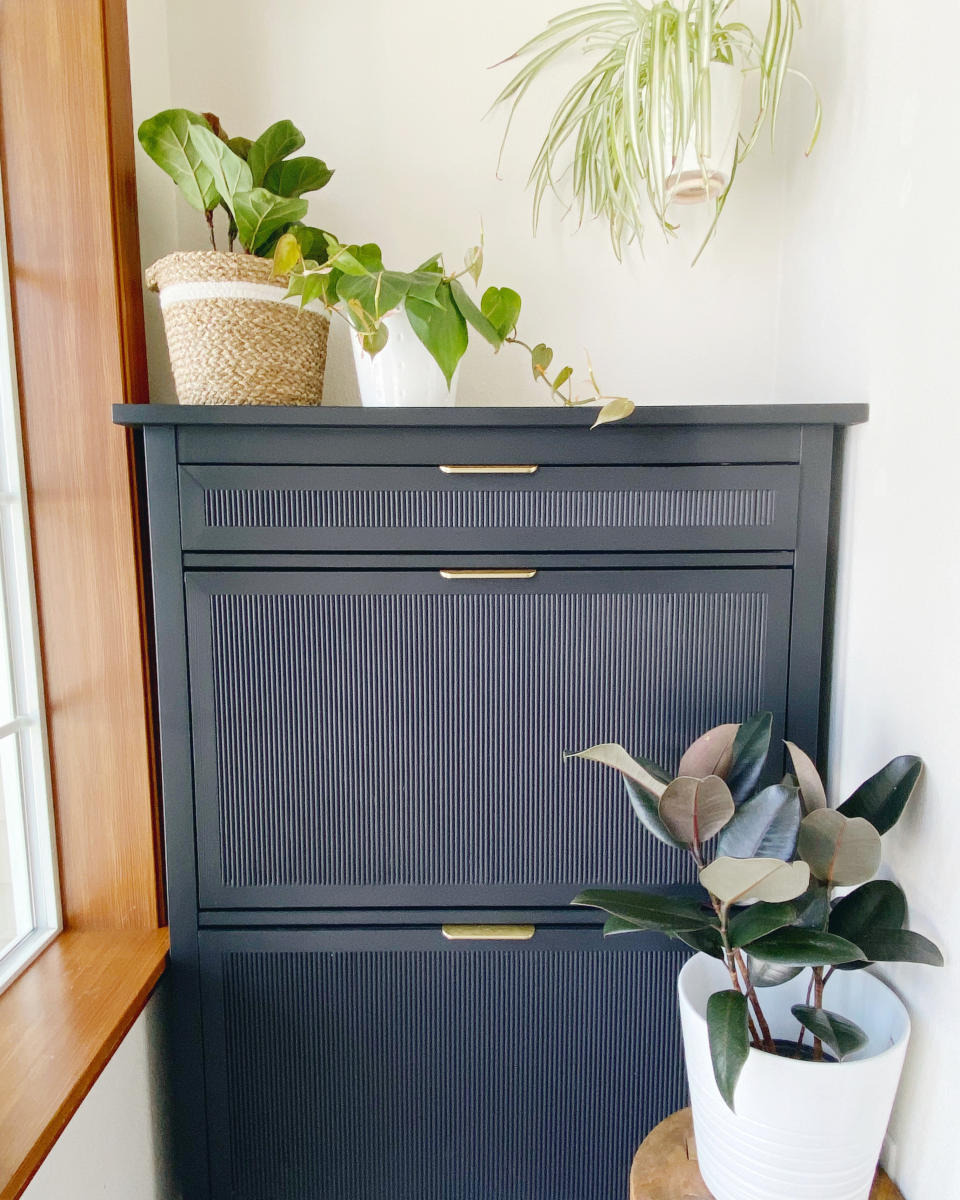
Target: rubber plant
<point x="770" y="863"/>
<point x="644" y="98"/>
<point x="352" y="281"/>
<point x="256" y="182"/>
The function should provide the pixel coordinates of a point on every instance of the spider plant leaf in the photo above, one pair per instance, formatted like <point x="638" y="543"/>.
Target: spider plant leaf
<point x="841" y="1036"/>
<point x="729" y="1040"/>
<point x="765" y="826"/>
<point x="838" y="849"/>
<point x="812" y="791"/>
<point x="652" y="911"/>
<point x="882" y="798"/>
<point x="695" y="810"/>
<point x="738" y="880"/>
<point x="710" y="754"/>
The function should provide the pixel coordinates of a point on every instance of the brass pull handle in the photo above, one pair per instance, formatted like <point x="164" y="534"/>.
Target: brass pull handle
<point x="484" y="469"/>
<point x="488" y="933"/>
<point x="483" y="573"/>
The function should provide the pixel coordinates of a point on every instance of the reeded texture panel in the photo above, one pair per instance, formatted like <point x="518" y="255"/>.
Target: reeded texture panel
<point x="661" y="508"/>
<point x="444" y="1076"/>
<point x="417" y="739"/>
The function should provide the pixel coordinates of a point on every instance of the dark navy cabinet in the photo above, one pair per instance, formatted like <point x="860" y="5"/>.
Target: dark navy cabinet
<point x="376" y="634"/>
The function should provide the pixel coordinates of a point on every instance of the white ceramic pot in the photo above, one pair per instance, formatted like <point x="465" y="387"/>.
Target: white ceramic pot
<point x="689" y="182"/>
<point x="801" y="1130"/>
<point x="404" y="374"/>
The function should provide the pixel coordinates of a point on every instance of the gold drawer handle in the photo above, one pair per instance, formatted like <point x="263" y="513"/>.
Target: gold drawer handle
<point x="483" y="469"/>
<point x="481" y="573"/>
<point x="488" y="933"/>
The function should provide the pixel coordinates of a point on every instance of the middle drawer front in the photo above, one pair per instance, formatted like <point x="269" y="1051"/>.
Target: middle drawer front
<point x="280" y="508"/>
<point x="396" y="738"/>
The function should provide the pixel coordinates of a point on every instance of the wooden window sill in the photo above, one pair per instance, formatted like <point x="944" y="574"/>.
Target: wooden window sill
<point x="59" y="1024"/>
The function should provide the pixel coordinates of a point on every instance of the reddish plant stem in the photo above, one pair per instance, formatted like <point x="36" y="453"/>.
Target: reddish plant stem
<point x="753" y="998"/>
<point x="818" y="1003"/>
<point x="213" y="237"/>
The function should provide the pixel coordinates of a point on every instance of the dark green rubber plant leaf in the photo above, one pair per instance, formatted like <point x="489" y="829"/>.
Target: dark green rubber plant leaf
<point x="797" y="947"/>
<point x="766" y="826"/>
<point x="441" y="328"/>
<point x="838" y="1034"/>
<point x="812" y="791"/>
<point x="758" y="920"/>
<point x="767" y="974"/>
<point x="707" y="941"/>
<point x="749" y="754"/>
<point x="729" y="1040"/>
<point x="695" y="810"/>
<point x="710" y="754"/>
<point x="839" y="849"/>
<point x="648" y="910"/>
<point x="645" y="784"/>
<point x="879" y="904"/>
<point x="882" y="798"/>
<point x="899" y="945"/>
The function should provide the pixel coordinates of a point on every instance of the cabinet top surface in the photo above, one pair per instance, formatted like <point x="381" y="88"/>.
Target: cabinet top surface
<point x="544" y="417"/>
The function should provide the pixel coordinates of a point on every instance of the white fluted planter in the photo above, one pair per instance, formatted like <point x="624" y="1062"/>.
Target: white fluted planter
<point x="404" y="374"/>
<point x="801" y="1130"/>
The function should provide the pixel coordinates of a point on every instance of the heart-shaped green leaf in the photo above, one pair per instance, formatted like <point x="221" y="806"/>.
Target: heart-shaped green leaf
<point x="294" y="176"/>
<point x="541" y="356"/>
<point x="765" y="826"/>
<point x="695" y="810"/>
<point x="798" y="947"/>
<point x="883" y="797"/>
<point x="166" y="138"/>
<point x="838" y="1034"/>
<point x="812" y="791"/>
<point x="838" y="849"/>
<point x="441" y="328"/>
<point x="286" y="254"/>
<point x="748" y="755"/>
<point x="648" y="910"/>
<point x="260" y="213"/>
<point x="230" y="173"/>
<point x="275" y="143"/>
<point x="737" y="880"/>
<point x="501" y="307"/>
<point x="710" y="754"/>
<point x="729" y="1039"/>
<point x="473" y="315"/>
<point x="757" y="921"/>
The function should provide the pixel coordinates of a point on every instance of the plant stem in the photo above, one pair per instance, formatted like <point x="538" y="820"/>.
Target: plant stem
<point x="754" y="999"/>
<point x="818" y="1003"/>
<point x="213" y="237"/>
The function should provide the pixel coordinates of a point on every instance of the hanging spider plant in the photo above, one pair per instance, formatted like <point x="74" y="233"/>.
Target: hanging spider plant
<point x="655" y="118"/>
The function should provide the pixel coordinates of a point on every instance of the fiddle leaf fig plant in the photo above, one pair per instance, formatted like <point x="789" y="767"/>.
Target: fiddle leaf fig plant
<point x="255" y="182"/>
<point x="769" y="864"/>
<point x="646" y="95"/>
<point x="352" y="282"/>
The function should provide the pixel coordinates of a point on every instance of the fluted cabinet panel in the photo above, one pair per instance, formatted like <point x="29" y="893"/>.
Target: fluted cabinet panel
<point x="418" y="1075"/>
<point x="392" y="739"/>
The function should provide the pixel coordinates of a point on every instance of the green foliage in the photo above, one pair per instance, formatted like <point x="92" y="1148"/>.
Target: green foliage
<point x="779" y="855"/>
<point x="644" y="97"/>
<point x="254" y="181"/>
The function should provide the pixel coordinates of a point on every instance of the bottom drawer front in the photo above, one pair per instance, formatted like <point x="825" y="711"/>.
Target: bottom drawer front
<point x="425" y="1072"/>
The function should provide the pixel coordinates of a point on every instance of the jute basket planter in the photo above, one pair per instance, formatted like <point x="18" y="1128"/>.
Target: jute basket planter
<point x="232" y="337"/>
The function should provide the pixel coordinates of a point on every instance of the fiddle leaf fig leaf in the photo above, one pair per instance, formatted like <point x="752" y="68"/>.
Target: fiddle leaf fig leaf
<point x="840" y="1036"/>
<point x="710" y="754"/>
<point x="274" y="144"/>
<point x="501" y="307"/>
<point x="812" y="791"/>
<point x="737" y="880"/>
<point x="839" y="849"/>
<point x="648" y="910"/>
<point x="230" y="173"/>
<point x="240" y="146"/>
<point x="695" y="810"/>
<point x="748" y="755"/>
<point x="313" y="242"/>
<point x="617" y="408"/>
<point x="260" y="213"/>
<point x="758" y="920"/>
<point x="473" y="315"/>
<point x="765" y="826"/>
<point x="166" y="138"/>
<point x="883" y="797"/>
<point x="294" y="176"/>
<point x="797" y="947"/>
<point x="729" y="1040"/>
<point x="441" y="328"/>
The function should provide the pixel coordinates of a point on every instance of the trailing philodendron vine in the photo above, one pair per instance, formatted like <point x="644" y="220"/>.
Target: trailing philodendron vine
<point x="352" y="282"/>
<point x="645" y="97"/>
<point x="770" y="864"/>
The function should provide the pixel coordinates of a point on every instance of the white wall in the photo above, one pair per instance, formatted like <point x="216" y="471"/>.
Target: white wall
<point x="114" y="1148"/>
<point x="869" y="312"/>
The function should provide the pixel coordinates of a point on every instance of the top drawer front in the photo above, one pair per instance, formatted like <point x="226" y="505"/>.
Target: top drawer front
<point x="250" y="508"/>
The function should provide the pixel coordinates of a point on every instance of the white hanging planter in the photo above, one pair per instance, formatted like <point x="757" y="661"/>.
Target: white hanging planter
<point x="404" y="374"/>
<point x="689" y="181"/>
<point x="801" y="1130"/>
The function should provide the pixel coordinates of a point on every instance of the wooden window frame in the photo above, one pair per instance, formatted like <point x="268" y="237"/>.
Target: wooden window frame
<point x="67" y="153"/>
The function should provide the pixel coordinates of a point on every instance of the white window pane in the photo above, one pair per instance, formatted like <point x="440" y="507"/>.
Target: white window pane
<point x="16" y="896"/>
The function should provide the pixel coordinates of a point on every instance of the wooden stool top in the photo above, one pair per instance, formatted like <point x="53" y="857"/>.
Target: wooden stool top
<point x="665" y="1167"/>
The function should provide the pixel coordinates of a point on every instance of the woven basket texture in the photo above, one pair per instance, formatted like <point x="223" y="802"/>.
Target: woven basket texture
<point x="225" y="350"/>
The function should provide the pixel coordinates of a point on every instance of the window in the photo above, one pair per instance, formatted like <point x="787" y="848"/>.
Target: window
<point x="29" y="902"/>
